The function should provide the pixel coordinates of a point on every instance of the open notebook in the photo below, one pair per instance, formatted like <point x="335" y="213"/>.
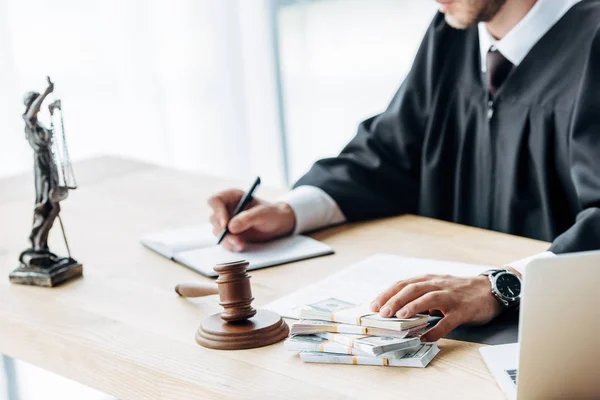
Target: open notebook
<point x="195" y="247"/>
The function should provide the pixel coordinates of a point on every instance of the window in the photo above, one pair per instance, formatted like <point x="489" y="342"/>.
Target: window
<point x="341" y="62"/>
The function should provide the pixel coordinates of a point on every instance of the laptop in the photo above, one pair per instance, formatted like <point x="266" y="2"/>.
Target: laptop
<point x="558" y="354"/>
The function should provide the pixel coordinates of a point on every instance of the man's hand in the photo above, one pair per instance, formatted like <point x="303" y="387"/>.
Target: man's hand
<point x="261" y="221"/>
<point x="459" y="300"/>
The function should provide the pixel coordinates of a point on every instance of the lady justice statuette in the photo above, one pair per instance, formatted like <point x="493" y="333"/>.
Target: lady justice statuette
<point x="53" y="179"/>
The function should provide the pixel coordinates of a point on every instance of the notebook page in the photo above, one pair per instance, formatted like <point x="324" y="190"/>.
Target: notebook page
<point x="363" y="281"/>
<point x="168" y="243"/>
<point x="259" y="255"/>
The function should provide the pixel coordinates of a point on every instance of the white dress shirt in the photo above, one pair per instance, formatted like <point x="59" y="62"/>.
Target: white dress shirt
<point x="520" y="40"/>
<point x="315" y="209"/>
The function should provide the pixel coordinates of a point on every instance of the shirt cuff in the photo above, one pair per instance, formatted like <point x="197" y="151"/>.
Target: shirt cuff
<point x="314" y="208"/>
<point x="520" y="265"/>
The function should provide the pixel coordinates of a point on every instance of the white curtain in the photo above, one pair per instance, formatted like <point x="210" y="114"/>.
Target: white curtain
<point x="184" y="83"/>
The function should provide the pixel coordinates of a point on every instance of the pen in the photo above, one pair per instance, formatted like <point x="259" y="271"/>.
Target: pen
<point x="240" y="206"/>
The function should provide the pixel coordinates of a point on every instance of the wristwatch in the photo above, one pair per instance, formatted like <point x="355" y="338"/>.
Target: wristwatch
<point x="506" y="286"/>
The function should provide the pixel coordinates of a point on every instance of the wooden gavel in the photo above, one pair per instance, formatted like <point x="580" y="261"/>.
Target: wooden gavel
<point x="239" y="326"/>
<point x="233" y="288"/>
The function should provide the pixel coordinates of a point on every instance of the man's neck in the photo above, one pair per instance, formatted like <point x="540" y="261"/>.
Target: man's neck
<point x="508" y="17"/>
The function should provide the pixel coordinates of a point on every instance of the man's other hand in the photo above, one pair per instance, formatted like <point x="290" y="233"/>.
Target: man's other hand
<point x="259" y="222"/>
<point x="459" y="300"/>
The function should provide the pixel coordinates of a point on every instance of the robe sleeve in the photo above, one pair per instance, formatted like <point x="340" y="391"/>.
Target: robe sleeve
<point x="584" y="153"/>
<point x="377" y="174"/>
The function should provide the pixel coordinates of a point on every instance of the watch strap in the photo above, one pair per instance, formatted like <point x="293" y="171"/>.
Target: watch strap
<point x="492" y="272"/>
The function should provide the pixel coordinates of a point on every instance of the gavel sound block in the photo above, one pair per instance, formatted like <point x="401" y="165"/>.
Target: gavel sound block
<point x="239" y="326"/>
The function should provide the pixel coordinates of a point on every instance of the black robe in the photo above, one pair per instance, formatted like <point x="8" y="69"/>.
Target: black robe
<point x="528" y="165"/>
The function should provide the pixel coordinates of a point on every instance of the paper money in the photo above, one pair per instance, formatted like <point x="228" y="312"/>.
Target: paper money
<point x="418" y="357"/>
<point x="314" y="343"/>
<point x="312" y="326"/>
<point x="372" y="345"/>
<point x="335" y="310"/>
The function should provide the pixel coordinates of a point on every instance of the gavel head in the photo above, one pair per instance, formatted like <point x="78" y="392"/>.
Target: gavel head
<point x="235" y="292"/>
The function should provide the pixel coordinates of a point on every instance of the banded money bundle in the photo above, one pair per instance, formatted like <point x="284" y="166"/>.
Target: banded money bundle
<point x="337" y="332"/>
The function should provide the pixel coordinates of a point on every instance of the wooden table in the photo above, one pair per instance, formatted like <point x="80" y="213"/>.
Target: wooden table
<point x="124" y="331"/>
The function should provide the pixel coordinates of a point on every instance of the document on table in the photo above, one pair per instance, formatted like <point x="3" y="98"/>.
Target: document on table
<point x="195" y="247"/>
<point x="363" y="281"/>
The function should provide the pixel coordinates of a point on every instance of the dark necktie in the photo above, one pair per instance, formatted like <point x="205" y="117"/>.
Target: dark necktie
<point x="498" y="68"/>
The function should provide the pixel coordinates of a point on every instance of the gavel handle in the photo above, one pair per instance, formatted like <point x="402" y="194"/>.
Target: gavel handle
<point x="194" y="289"/>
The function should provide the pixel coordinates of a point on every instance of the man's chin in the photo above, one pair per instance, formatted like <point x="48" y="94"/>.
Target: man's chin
<point x="457" y="23"/>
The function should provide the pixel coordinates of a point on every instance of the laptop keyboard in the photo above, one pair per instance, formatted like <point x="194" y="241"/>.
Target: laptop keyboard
<point x="512" y="374"/>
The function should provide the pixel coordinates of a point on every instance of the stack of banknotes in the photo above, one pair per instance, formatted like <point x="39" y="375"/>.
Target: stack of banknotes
<point x="334" y="331"/>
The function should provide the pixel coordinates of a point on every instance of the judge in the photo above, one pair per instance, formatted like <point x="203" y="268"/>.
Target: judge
<point x="496" y="126"/>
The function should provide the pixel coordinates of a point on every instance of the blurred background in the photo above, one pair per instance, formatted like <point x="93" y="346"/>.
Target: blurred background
<point x="231" y="88"/>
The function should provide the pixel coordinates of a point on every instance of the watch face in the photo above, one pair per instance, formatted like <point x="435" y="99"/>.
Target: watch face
<point x="508" y="285"/>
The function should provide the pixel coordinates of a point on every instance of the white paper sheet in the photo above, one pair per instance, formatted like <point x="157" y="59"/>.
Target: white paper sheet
<point x="363" y="281"/>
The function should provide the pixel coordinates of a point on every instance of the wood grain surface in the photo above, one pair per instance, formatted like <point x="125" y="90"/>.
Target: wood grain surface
<point x="123" y="330"/>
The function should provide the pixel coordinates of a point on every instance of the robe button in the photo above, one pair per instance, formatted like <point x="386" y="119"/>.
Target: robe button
<point x="490" y="111"/>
